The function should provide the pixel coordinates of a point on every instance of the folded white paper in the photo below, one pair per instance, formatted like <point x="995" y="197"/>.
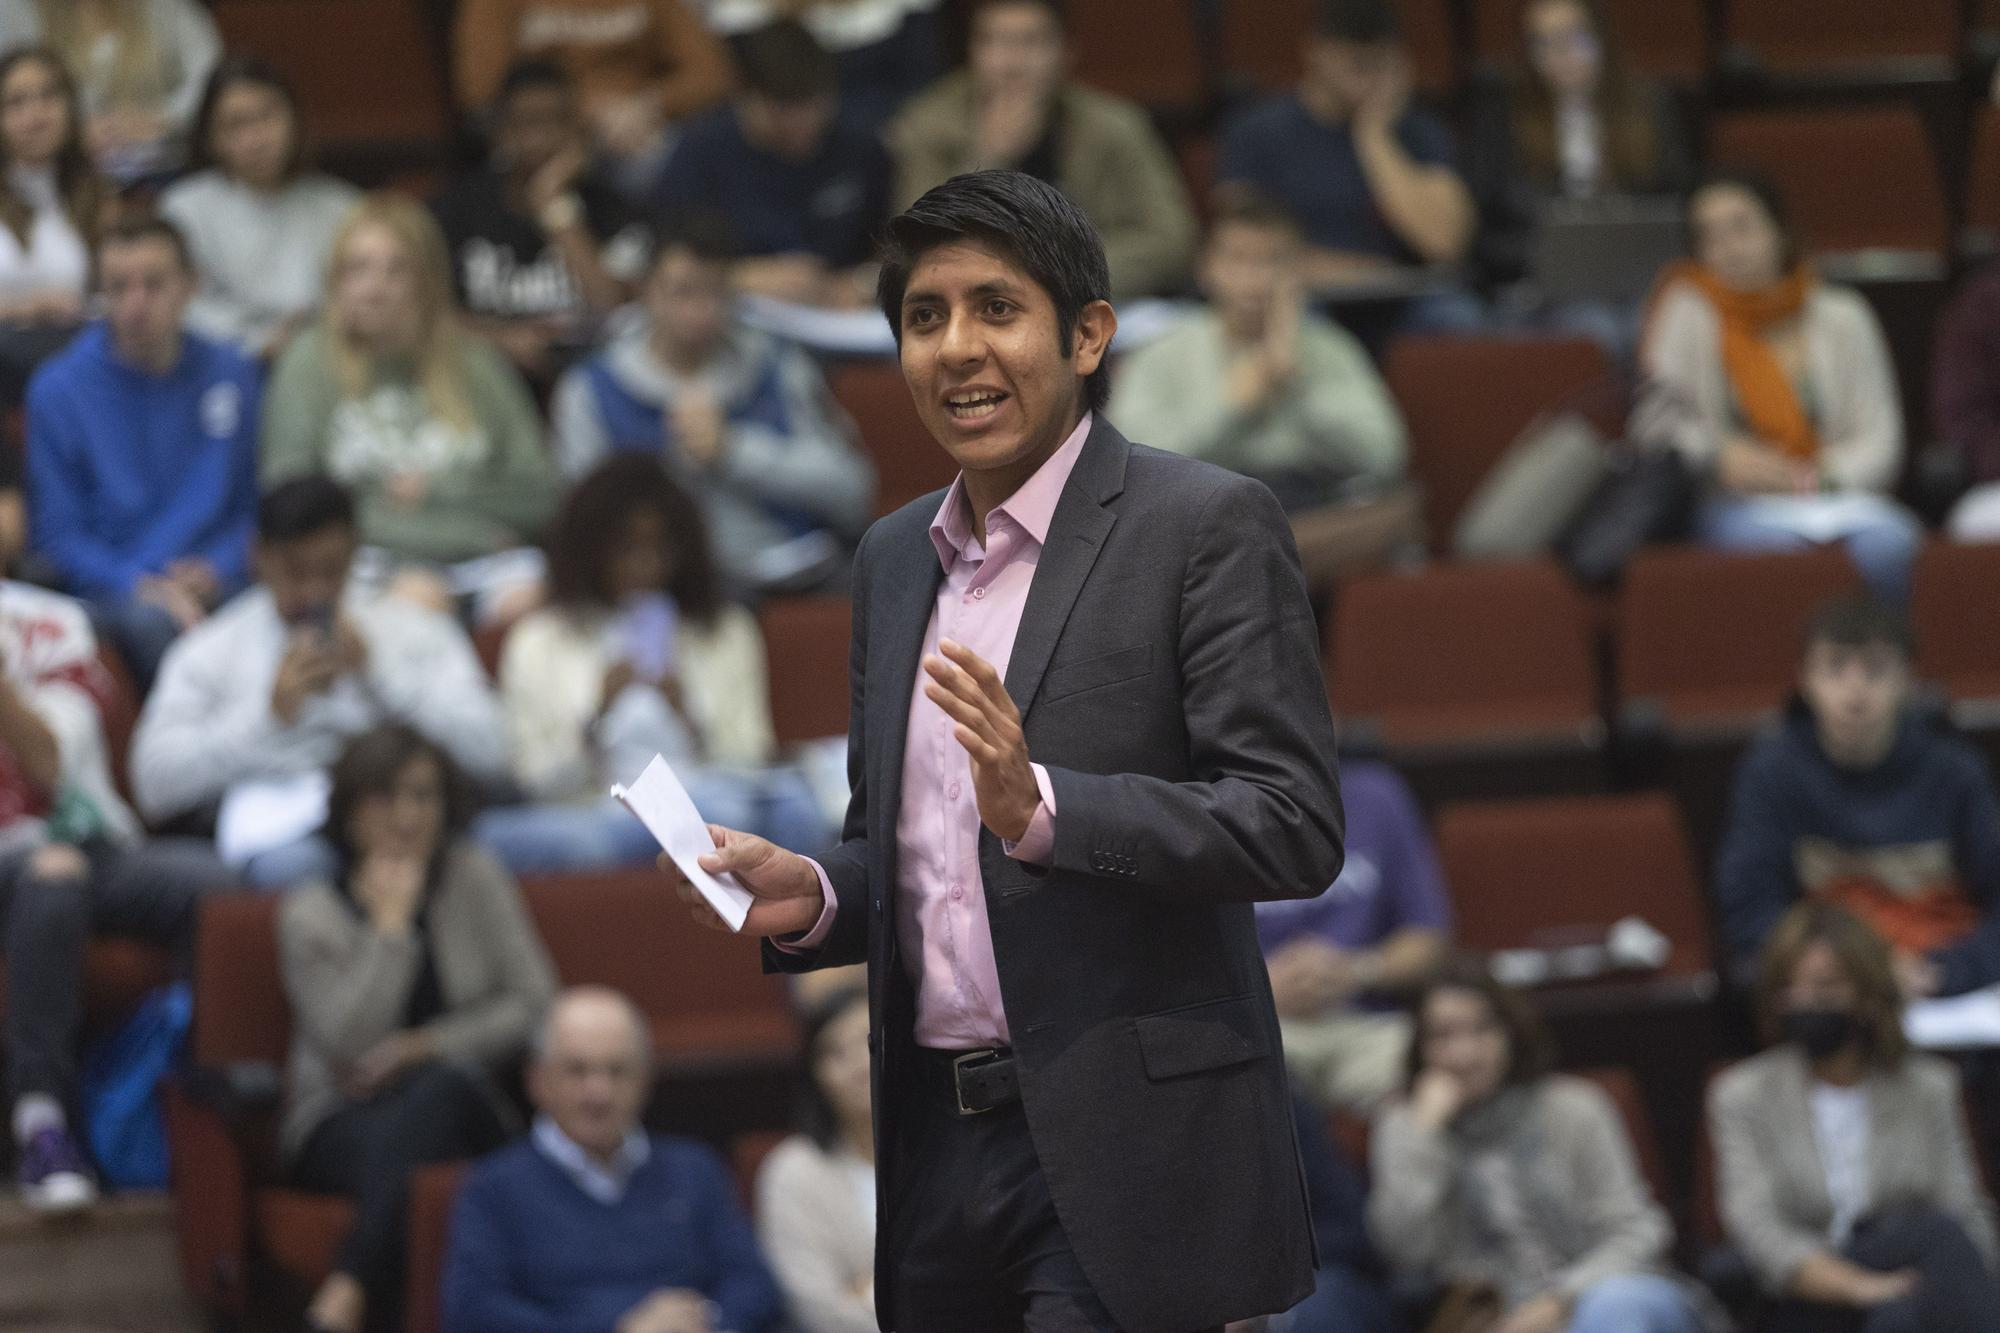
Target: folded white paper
<point x="668" y="813"/>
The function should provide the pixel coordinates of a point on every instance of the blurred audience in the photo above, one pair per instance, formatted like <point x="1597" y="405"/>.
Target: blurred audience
<point x="1378" y="932"/>
<point x="254" y="707"/>
<point x="141" y="65"/>
<point x="431" y="428"/>
<point x="641" y="66"/>
<point x="71" y="867"/>
<point x="743" y="421"/>
<point x="1259" y="384"/>
<point x="1778" y="390"/>
<point x="142" y="453"/>
<point x="1844" y="1171"/>
<point x="638" y="653"/>
<point x="804" y="191"/>
<point x="886" y="50"/>
<point x="543" y="249"/>
<point x="1348" y="1288"/>
<point x="1016" y="105"/>
<point x="1965" y="402"/>
<point x="414" y="976"/>
<point x="51" y="204"/>
<point x="592" y="1223"/>
<point x="260" y="221"/>
<point x="816" y="1191"/>
<point x="1372" y="177"/>
<point x="1576" y="123"/>
<point x="1514" y="1190"/>
<point x="1861" y="800"/>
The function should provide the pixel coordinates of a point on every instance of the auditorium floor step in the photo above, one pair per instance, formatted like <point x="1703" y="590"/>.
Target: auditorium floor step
<point x="112" y="1271"/>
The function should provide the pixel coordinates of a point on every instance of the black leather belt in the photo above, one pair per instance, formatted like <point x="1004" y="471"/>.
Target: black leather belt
<point x="982" y="1080"/>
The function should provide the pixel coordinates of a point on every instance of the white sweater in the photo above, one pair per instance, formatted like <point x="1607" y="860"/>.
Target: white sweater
<point x="552" y="679"/>
<point x="209" y="725"/>
<point x="262" y="257"/>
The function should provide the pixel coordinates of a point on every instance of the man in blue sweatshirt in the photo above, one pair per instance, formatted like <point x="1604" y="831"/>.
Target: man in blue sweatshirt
<point x="142" y="452"/>
<point x="1856" y="799"/>
<point x="590" y="1226"/>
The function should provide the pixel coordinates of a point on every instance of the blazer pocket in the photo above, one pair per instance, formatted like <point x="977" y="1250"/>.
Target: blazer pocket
<point x="1094" y="673"/>
<point x="1211" y="1035"/>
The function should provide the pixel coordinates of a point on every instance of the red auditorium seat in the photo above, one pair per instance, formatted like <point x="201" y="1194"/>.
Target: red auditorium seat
<point x="1855" y="177"/>
<point x="746" y="1158"/>
<point x="1262" y="41"/>
<point x="1667" y="39"/>
<point x="908" y="462"/>
<point x="1465" y="399"/>
<point x="1518" y="715"/>
<point x="368" y="71"/>
<point x="1156" y="63"/>
<point x="1952" y="593"/>
<point x="1843" y="38"/>
<point x="1532" y="874"/>
<point x="433" y="1194"/>
<point x="805" y="651"/>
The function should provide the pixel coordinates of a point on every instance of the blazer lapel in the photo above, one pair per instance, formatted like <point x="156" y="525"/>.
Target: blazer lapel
<point x="904" y="597"/>
<point x="1076" y="536"/>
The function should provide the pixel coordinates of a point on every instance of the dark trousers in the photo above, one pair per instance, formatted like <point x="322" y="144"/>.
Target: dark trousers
<point x="369" y="1150"/>
<point x="139" y="631"/>
<point x="147" y="892"/>
<point x="974" y="1243"/>
<point x="1955" y="1292"/>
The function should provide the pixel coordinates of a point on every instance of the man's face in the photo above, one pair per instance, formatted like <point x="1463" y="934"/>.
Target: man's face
<point x="305" y="575"/>
<point x="1016" y="50"/>
<point x="146" y="291"/>
<point x="1347" y="74"/>
<point x="1244" y="266"/>
<point x="792" y="131"/>
<point x="593" y="1077"/>
<point x="1856" y="695"/>
<point x="688" y="298"/>
<point x="988" y="368"/>
<point x="535" y="125"/>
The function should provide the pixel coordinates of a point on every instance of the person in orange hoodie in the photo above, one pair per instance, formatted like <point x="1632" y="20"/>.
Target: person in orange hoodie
<point x="641" y="66"/>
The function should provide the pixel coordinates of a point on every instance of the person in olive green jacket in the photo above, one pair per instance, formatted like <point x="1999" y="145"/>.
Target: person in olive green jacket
<point x="1014" y="106"/>
<point x="434" y="433"/>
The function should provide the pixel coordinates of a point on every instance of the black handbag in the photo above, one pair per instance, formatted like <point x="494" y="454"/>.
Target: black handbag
<point x="1647" y="496"/>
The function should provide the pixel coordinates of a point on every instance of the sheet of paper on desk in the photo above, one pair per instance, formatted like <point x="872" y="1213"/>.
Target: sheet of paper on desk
<point x="668" y="813"/>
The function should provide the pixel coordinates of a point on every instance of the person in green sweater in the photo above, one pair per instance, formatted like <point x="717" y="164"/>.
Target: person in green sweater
<point x="430" y="428"/>
<point x="1256" y="383"/>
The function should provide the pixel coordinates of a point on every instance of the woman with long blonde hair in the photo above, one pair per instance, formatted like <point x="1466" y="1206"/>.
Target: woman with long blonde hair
<point x="428" y="425"/>
<point x="140" y="64"/>
<point x="51" y="202"/>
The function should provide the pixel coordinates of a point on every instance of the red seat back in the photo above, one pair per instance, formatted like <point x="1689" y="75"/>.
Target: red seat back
<point x="1715" y="635"/>
<point x="908" y="461"/>
<point x="1457" y="651"/>
<point x="1956" y="644"/>
<point x="433" y="1195"/>
<point x="1535" y="873"/>
<point x="805" y="651"/>
<point x="1465" y="399"/>
<point x="1844" y="36"/>
<point x="241" y="1014"/>
<point x="1157" y="62"/>
<point x="1854" y="178"/>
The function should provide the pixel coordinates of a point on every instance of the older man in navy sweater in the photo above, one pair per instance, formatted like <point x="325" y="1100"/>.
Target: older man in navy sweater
<point x="590" y="1226"/>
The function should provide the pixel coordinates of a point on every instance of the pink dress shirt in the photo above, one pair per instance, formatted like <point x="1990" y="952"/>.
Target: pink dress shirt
<point x="941" y="925"/>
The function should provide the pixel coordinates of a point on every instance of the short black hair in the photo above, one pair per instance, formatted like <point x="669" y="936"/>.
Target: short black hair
<point x="1028" y="220"/>
<point x="1861" y="622"/>
<point x="303" y="507"/>
<point x="783" y="61"/>
<point x="703" y="233"/>
<point x="532" y="74"/>
<point x="134" y="228"/>
<point x="235" y="70"/>
<point x="1362" y="22"/>
<point x="1759" y="187"/>
<point x="1056" y="9"/>
<point x="1248" y="206"/>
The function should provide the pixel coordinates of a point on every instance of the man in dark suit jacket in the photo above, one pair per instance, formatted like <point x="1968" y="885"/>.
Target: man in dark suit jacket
<point x="1088" y="731"/>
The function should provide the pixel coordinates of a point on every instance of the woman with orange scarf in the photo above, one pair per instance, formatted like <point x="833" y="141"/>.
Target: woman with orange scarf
<point x="1778" y="387"/>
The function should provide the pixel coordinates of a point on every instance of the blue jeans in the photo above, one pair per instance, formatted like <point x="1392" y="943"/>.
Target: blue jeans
<point x="1880" y="536"/>
<point x="1634" y="1303"/>
<point x="542" y="839"/>
<point x="140" y="631"/>
<point x="1343" y="1301"/>
<point x="310" y="860"/>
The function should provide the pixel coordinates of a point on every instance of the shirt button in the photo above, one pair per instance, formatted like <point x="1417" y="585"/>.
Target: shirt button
<point x="978" y="594"/>
<point x="951" y="792"/>
<point x="958" y="893"/>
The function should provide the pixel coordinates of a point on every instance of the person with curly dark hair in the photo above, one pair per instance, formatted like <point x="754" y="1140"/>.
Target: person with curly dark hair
<point x="637" y="653"/>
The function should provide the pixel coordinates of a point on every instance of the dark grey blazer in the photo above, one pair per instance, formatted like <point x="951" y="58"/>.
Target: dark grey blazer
<point x="1167" y="670"/>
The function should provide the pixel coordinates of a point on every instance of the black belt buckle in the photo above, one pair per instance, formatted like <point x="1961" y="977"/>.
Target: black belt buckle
<point x="967" y="1068"/>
